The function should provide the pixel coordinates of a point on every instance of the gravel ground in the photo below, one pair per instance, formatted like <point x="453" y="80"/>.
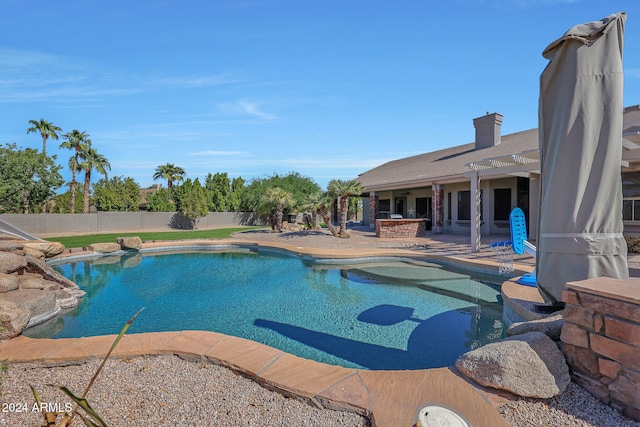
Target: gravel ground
<point x="161" y="391"/>
<point x="576" y="407"/>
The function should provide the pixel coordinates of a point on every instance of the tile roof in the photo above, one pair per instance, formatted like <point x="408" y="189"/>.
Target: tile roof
<point x="442" y="165"/>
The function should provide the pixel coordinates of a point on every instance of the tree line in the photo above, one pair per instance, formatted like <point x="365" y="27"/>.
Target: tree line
<point x="30" y="180"/>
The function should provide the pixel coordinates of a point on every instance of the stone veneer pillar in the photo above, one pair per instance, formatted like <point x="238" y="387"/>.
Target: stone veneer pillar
<point x="373" y="209"/>
<point x="438" y="208"/>
<point x="601" y="340"/>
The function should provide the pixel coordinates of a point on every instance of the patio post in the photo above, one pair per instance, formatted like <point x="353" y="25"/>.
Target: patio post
<point x="475" y="212"/>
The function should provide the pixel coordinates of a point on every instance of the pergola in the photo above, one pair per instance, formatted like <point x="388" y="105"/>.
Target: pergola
<point x="527" y="164"/>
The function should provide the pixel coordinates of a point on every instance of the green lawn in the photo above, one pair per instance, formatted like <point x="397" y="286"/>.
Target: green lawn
<point x="85" y="240"/>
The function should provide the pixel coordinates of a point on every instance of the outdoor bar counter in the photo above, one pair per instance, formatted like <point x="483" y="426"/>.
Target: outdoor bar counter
<point x="401" y="228"/>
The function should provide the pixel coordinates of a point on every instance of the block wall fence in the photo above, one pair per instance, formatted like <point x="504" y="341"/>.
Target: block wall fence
<point x="103" y="222"/>
<point x="601" y="340"/>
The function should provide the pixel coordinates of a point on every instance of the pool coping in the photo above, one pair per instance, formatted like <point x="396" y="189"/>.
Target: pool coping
<point x="386" y="397"/>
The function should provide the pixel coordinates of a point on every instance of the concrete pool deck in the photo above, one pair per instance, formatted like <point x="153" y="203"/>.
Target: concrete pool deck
<point x="388" y="398"/>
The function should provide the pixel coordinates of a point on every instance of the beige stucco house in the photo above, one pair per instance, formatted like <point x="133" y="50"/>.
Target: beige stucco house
<point x="484" y="179"/>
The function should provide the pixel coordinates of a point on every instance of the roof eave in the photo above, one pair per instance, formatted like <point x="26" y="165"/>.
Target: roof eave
<point x="417" y="183"/>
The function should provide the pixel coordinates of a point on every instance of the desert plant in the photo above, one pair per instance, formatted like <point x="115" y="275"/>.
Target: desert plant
<point x="4" y="368"/>
<point x="90" y="417"/>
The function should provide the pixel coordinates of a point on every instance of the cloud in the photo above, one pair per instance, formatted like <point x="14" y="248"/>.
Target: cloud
<point x="22" y="59"/>
<point x="66" y="79"/>
<point x="253" y="109"/>
<point x="246" y="107"/>
<point x="201" y="81"/>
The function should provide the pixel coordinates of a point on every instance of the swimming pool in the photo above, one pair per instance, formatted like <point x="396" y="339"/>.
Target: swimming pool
<point x="371" y="314"/>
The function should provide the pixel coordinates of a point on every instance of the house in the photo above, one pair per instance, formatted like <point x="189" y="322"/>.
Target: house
<point x="489" y="177"/>
<point x="144" y="196"/>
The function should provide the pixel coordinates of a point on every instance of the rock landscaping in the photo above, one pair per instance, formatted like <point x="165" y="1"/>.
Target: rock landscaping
<point x="32" y="292"/>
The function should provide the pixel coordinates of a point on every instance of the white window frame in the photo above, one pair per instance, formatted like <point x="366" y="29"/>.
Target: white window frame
<point x="635" y="213"/>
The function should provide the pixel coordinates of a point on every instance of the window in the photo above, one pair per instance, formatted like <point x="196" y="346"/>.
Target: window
<point x="501" y="204"/>
<point x="631" y="194"/>
<point x="384" y="208"/>
<point x="449" y="206"/>
<point x="464" y="205"/>
<point x="631" y="185"/>
<point x="631" y="210"/>
<point x="423" y="207"/>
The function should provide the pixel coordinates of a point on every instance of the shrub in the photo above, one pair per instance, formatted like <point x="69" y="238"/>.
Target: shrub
<point x="633" y="244"/>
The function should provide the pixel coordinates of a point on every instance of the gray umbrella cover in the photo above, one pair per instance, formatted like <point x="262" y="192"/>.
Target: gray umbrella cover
<point x="580" y="127"/>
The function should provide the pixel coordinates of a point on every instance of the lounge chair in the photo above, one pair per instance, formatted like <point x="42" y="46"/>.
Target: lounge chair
<point x="520" y="243"/>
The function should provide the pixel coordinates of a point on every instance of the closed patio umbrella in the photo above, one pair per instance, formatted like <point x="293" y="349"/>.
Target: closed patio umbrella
<point x="580" y="136"/>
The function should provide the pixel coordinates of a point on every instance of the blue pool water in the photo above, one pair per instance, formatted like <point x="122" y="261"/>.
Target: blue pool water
<point x="373" y="315"/>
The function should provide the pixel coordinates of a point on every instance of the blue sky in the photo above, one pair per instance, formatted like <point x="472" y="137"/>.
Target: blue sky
<point x="328" y="89"/>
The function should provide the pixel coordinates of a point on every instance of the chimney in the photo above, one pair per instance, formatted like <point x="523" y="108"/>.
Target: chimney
<point x="487" y="130"/>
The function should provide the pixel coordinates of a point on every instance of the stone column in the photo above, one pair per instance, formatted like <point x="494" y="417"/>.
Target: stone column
<point x="373" y="209"/>
<point x="437" y="222"/>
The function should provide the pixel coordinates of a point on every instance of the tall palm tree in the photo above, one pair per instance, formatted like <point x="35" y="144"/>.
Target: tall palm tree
<point x="46" y="130"/>
<point x="91" y="160"/>
<point x="274" y="201"/>
<point x="343" y="190"/>
<point x="78" y="142"/>
<point x="170" y="172"/>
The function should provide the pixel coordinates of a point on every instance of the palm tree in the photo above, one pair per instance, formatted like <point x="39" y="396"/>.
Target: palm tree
<point x="78" y="142"/>
<point x="343" y="190"/>
<point x="273" y="202"/>
<point x="91" y="160"/>
<point x="311" y="204"/>
<point x="46" y="130"/>
<point x="320" y="202"/>
<point x="170" y="172"/>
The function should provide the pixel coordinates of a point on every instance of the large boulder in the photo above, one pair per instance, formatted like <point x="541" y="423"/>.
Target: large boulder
<point x="10" y="262"/>
<point x="36" y="302"/>
<point x="39" y="267"/>
<point x="65" y="299"/>
<point x="529" y="365"/>
<point x="104" y="247"/>
<point x="550" y="326"/>
<point x="8" y="282"/>
<point x="30" y="281"/>
<point x="49" y="249"/>
<point x="130" y="243"/>
<point x="34" y="253"/>
<point x="13" y="319"/>
<point x="10" y="246"/>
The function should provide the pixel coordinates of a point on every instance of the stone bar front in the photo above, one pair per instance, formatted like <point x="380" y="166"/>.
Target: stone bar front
<point x="400" y="228"/>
